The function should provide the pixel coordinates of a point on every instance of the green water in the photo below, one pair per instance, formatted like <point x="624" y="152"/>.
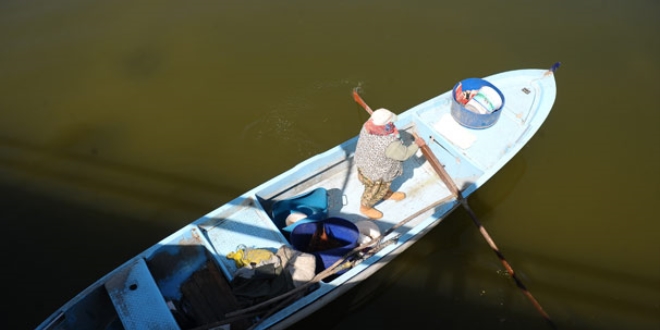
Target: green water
<point x="121" y="121"/>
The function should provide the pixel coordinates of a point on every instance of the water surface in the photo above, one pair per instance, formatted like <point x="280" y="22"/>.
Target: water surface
<point x="121" y="121"/>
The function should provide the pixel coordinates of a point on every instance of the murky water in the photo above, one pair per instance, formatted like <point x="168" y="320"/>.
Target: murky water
<point x="121" y="121"/>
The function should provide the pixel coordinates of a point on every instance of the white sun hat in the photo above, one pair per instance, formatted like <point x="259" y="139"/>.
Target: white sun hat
<point x="383" y="116"/>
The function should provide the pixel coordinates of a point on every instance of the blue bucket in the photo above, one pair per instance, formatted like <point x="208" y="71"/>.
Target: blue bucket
<point x="342" y="234"/>
<point x="469" y="118"/>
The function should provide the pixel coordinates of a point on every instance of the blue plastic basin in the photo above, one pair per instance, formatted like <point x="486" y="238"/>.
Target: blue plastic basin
<point x="342" y="231"/>
<point x="469" y="118"/>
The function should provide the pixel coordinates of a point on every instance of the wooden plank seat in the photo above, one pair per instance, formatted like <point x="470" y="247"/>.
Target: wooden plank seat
<point x="138" y="300"/>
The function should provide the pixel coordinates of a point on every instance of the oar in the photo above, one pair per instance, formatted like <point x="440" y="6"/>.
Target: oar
<point x="437" y="166"/>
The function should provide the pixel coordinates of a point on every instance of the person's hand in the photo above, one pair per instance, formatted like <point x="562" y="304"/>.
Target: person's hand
<point x="420" y="142"/>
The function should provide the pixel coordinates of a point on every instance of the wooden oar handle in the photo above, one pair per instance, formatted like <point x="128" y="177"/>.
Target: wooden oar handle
<point x="439" y="169"/>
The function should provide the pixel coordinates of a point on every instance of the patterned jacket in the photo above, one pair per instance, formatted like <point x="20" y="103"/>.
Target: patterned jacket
<point x="380" y="157"/>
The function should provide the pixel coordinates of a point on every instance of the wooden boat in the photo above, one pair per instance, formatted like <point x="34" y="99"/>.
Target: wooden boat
<point x="187" y="280"/>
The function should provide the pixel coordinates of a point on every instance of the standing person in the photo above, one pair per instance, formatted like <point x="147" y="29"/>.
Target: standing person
<point x="379" y="157"/>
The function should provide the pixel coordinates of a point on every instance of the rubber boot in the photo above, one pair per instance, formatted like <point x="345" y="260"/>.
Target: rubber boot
<point x="395" y="196"/>
<point x="371" y="212"/>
